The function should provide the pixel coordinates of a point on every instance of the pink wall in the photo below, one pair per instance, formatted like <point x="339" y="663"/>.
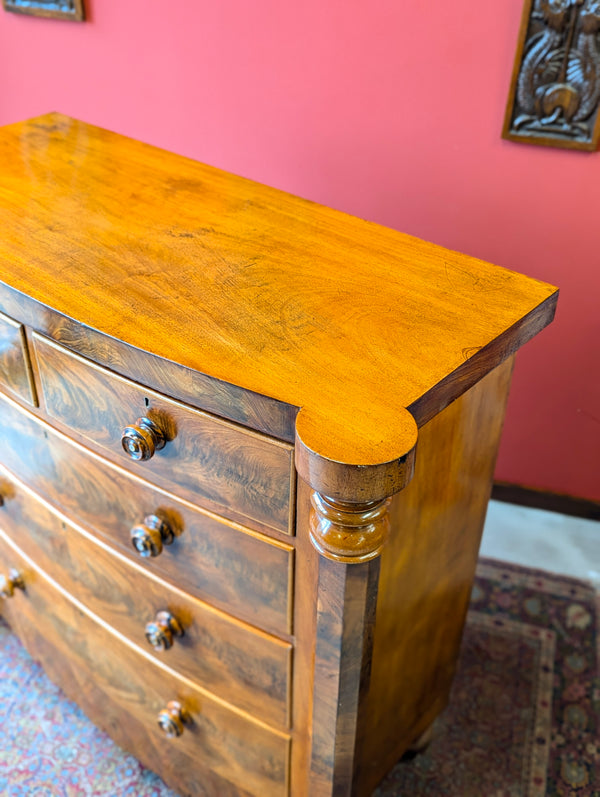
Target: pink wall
<point x="391" y="111"/>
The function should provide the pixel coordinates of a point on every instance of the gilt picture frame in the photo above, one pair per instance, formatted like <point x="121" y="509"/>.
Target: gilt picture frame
<point x="55" y="9"/>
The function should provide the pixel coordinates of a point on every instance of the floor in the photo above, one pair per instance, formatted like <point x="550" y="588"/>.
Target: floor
<point x="544" y="540"/>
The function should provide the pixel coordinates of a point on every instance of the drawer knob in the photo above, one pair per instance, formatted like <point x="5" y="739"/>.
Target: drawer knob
<point x="171" y="719"/>
<point x="148" y="537"/>
<point x="161" y="631"/>
<point x="11" y="582"/>
<point x="142" y="439"/>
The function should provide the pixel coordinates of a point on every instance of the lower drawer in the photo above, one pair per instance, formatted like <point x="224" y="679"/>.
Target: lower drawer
<point x="229" y="658"/>
<point x="220" y="753"/>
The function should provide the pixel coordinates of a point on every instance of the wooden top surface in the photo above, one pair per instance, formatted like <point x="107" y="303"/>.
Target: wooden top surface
<point x="352" y="322"/>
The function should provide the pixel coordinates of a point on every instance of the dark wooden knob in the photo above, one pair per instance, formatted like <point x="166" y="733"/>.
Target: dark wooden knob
<point x="142" y="439"/>
<point x="161" y="631"/>
<point x="171" y="719"/>
<point x="148" y="537"/>
<point x="11" y="582"/>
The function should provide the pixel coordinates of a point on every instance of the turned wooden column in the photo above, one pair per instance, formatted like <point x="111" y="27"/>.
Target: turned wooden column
<point x="346" y="532"/>
<point x="348" y="525"/>
<point x="349" y="539"/>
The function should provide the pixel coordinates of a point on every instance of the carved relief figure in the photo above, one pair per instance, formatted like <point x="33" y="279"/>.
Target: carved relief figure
<point x="558" y="84"/>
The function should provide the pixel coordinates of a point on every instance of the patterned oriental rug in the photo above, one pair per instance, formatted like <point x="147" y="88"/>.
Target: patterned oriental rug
<point x="523" y="719"/>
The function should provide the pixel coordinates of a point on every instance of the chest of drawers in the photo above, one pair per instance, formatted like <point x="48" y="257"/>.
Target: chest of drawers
<point x="246" y="448"/>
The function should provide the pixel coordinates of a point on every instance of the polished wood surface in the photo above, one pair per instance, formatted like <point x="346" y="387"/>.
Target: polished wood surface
<point x="247" y="668"/>
<point x="427" y="570"/>
<point x="194" y="388"/>
<point x="282" y="419"/>
<point x="201" y="457"/>
<point x="345" y="618"/>
<point x="15" y="368"/>
<point x="229" y="567"/>
<point x="387" y="640"/>
<point x="306" y="572"/>
<point x="240" y="752"/>
<point x="170" y="251"/>
<point x="348" y="533"/>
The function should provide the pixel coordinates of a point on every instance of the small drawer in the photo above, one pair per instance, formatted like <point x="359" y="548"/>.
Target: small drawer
<point x="222" y="563"/>
<point x="208" y="461"/>
<point x="15" y="368"/>
<point x="231" y="659"/>
<point x="220" y="751"/>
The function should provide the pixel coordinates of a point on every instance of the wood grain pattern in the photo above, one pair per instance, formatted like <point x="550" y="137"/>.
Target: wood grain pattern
<point x="348" y="533"/>
<point x="15" y="368"/>
<point x="358" y="344"/>
<point x="216" y="561"/>
<point x="345" y="617"/>
<point x="306" y="573"/>
<point x="206" y="460"/>
<point x="199" y="390"/>
<point x="230" y="659"/>
<point x="427" y="570"/>
<point x="254" y="287"/>
<point x="350" y="539"/>
<point x="181" y="772"/>
<point x="244" y="756"/>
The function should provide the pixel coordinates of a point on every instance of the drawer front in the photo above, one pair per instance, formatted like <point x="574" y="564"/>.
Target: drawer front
<point x="15" y="369"/>
<point x="231" y="568"/>
<point x="207" y="460"/>
<point x="237" y="663"/>
<point x="220" y="750"/>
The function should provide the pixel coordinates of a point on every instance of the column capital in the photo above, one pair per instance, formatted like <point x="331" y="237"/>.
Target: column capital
<point x="348" y="533"/>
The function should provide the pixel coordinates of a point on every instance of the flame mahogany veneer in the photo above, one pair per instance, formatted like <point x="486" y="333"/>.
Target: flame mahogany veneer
<point x="246" y="448"/>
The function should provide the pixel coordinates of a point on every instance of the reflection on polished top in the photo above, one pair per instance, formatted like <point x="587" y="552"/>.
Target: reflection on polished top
<point x="368" y="331"/>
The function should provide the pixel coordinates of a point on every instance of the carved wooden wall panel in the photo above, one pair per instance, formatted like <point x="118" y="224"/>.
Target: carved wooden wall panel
<point x="555" y="87"/>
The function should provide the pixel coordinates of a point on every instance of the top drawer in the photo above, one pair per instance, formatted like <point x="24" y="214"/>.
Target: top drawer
<point x="15" y="371"/>
<point x="209" y="461"/>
